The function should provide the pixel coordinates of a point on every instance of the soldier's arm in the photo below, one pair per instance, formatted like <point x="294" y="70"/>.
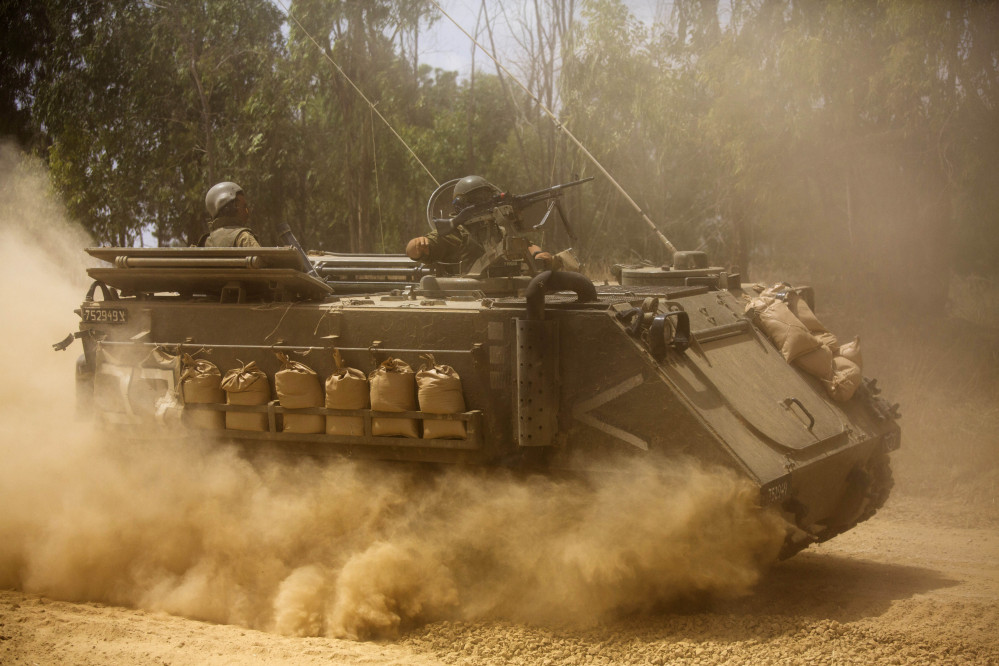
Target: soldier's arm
<point x="435" y="248"/>
<point x="418" y="248"/>
<point x="538" y="254"/>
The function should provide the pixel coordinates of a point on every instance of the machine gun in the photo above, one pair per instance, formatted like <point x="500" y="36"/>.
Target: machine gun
<point x="484" y="211"/>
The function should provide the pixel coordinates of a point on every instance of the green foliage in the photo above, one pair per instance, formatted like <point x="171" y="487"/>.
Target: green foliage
<point x="858" y="138"/>
<point x="25" y="38"/>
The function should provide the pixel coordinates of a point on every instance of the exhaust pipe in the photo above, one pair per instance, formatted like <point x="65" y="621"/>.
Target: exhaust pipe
<point x="552" y="281"/>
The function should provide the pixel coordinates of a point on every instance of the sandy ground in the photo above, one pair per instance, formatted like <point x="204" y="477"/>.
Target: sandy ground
<point x="919" y="583"/>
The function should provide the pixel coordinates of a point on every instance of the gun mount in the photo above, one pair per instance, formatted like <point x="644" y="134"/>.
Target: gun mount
<point x="497" y="225"/>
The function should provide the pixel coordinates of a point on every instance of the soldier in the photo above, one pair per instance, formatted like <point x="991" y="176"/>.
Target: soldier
<point x="230" y="214"/>
<point x="461" y="245"/>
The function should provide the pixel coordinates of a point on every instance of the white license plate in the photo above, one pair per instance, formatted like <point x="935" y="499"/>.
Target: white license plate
<point x="105" y="315"/>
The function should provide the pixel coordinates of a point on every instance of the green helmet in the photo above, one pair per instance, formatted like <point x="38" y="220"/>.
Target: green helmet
<point x="472" y="190"/>
<point x="220" y="196"/>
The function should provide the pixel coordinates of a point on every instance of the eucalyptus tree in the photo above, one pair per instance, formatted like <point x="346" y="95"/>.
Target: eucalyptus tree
<point x="142" y="106"/>
<point x="377" y="133"/>
<point x="530" y="75"/>
<point x="605" y="84"/>
<point x="224" y="109"/>
<point x="851" y="139"/>
<point x="25" y="38"/>
<point x="343" y="65"/>
<point x="90" y="107"/>
<point x="851" y="133"/>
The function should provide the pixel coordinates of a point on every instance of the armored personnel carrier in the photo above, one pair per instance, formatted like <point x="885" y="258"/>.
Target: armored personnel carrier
<point x="555" y="371"/>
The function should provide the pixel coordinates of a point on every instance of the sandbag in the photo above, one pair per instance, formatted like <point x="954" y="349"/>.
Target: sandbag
<point x="246" y="385"/>
<point x="439" y="392"/>
<point x="200" y="384"/>
<point x="828" y="339"/>
<point x="346" y="388"/>
<point x="846" y="379"/>
<point x="799" y="306"/>
<point x="393" y="389"/>
<point x="851" y="350"/>
<point x="297" y="387"/>
<point x="780" y="325"/>
<point x="818" y="362"/>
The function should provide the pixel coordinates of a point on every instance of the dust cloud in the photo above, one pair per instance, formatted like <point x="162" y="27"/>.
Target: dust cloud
<point x="303" y="547"/>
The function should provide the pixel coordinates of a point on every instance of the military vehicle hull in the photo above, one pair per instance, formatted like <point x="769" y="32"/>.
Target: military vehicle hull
<point x="563" y="380"/>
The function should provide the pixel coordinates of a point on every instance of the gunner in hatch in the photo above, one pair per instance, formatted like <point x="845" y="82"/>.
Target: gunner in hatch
<point x="463" y="245"/>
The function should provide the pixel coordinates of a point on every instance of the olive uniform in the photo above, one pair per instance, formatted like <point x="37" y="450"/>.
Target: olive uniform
<point x="456" y="247"/>
<point x="231" y="236"/>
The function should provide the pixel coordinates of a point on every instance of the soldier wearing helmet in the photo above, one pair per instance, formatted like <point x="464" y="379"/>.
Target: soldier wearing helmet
<point x="471" y="190"/>
<point x="229" y="213"/>
<point x="461" y="246"/>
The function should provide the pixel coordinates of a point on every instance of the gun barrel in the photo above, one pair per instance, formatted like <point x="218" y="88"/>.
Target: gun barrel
<point x="549" y="191"/>
<point x="516" y="200"/>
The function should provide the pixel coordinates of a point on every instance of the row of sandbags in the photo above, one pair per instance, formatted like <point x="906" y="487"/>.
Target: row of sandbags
<point x="391" y="387"/>
<point x="786" y="319"/>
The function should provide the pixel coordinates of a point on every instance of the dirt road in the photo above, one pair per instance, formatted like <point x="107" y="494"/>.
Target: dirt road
<point x="917" y="584"/>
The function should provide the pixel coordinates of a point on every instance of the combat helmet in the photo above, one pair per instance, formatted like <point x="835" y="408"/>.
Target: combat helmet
<point x="221" y="195"/>
<point x="472" y="190"/>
